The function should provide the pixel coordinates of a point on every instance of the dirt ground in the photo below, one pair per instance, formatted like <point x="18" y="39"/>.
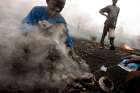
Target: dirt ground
<point x="96" y="57"/>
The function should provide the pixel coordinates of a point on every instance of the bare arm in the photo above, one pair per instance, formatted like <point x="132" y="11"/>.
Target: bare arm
<point x="104" y="11"/>
<point x="133" y="59"/>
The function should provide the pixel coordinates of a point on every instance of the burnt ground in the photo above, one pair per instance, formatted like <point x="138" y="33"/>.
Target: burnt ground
<point x="96" y="57"/>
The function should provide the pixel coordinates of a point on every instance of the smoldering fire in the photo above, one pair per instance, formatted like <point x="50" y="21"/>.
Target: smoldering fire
<point x="35" y="61"/>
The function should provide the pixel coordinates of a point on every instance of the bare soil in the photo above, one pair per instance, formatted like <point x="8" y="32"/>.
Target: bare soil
<point x="96" y="57"/>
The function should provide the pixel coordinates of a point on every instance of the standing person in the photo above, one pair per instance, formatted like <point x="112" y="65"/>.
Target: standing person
<point x="111" y="12"/>
<point x="49" y="14"/>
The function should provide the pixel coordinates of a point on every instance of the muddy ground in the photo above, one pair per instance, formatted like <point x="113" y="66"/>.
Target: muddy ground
<point x="96" y="57"/>
<point x="87" y="50"/>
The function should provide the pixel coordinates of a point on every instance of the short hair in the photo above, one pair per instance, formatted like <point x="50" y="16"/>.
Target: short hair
<point x="63" y="1"/>
<point x="114" y="0"/>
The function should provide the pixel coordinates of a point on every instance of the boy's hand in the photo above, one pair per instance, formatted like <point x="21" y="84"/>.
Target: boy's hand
<point x="134" y="58"/>
<point x="44" y="24"/>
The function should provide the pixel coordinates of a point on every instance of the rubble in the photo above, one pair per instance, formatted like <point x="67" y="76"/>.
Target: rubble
<point x="89" y="84"/>
<point x="36" y="62"/>
<point x="103" y="68"/>
<point x="96" y="57"/>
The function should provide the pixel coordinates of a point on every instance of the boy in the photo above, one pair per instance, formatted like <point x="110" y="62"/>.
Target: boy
<point x="111" y="12"/>
<point x="50" y="14"/>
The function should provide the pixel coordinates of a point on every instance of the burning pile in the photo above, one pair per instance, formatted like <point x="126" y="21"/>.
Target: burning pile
<point x="126" y="47"/>
<point x="34" y="63"/>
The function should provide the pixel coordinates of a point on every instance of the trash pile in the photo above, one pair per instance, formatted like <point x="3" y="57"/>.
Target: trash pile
<point x="36" y="63"/>
<point x="90" y="84"/>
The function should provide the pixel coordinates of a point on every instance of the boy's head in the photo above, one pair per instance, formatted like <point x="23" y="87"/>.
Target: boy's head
<point x="114" y="2"/>
<point x="55" y="6"/>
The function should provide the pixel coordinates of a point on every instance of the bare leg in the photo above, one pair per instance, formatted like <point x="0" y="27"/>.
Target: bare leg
<point x="103" y="35"/>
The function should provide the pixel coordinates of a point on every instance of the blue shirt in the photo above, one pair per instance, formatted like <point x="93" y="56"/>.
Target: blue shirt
<point x="39" y="13"/>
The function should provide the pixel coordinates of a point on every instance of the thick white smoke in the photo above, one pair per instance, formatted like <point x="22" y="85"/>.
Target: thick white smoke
<point x="85" y="21"/>
<point x="31" y="59"/>
<point x="31" y="63"/>
<point x="28" y="63"/>
<point x="83" y="18"/>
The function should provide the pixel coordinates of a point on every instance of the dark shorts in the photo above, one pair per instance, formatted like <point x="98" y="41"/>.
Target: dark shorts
<point x="107" y="26"/>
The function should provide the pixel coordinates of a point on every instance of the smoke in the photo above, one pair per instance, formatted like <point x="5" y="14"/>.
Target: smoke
<point x="32" y="62"/>
<point x="85" y="21"/>
<point x="34" y="59"/>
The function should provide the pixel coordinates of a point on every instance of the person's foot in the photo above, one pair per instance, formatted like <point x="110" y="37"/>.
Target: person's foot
<point x="112" y="47"/>
<point x="102" y="45"/>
